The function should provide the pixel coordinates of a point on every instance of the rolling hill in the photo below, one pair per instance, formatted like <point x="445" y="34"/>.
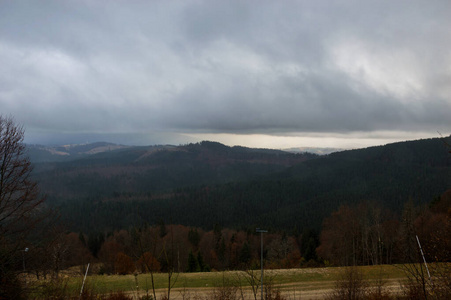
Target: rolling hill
<point x="208" y="183"/>
<point x="156" y="169"/>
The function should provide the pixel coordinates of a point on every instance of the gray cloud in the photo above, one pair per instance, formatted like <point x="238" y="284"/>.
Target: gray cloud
<point x="269" y="67"/>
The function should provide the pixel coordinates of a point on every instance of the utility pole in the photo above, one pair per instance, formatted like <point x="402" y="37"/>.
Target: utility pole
<point x="424" y="259"/>
<point x="261" y="257"/>
<point x="23" y="264"/>
<point x="23" y="258"/>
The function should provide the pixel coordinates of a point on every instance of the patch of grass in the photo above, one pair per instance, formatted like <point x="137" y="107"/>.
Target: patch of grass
<point x="301" y="279"/>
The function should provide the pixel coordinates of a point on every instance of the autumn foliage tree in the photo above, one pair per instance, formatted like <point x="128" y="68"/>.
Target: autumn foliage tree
<point x="147" y="263"/>
<point x="123" y="264"/>
<point x="339" y="238"/>
<point x="358" y="235"/>
<point x="108" y="253"/>
<point x="434" y="229"/>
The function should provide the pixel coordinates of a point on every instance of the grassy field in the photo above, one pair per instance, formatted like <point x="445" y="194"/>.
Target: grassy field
<point x="289" y="280"/>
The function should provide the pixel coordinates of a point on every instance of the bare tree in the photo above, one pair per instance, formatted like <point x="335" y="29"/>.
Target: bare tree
<point x="19" y="198"/>
<point x="169" y="257"/>
<point x="252" y="277"/>
<point x="145" y="242"/>
<point x="350" y="285"/>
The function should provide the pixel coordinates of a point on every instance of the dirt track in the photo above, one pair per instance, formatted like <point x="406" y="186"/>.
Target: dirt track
<point x="292" y="291"/>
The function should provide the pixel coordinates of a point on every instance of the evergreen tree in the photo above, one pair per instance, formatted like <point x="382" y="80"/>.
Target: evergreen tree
<point x="222" y="251"/>
<point x="245" y="254"/>
<point x="82" y="239"/>
<point x="95" y="241"/>
<point x="163" y="230"/>
<point x="193" y="265"/>
<point x="202" y="266"/>
<point x="309" y="243"/>
<point x="194" y="238"/>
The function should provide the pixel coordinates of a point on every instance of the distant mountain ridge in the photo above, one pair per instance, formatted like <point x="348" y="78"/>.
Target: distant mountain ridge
<point x="314" y="150"/>
<point x="52" y="153"/>
<point x="41" y="153"/>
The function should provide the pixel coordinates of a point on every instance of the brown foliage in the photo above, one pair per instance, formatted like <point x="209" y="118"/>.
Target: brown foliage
<point x="358" y="235"/>
<point x="339" y="238"/>
<point x="124" y="264"/>
<point x="434" y="229"/>
<point x="283" y="252"/>
<point x="147" y="262"/>
<point x="79" y="253"/>
<point x="107" y="254"/>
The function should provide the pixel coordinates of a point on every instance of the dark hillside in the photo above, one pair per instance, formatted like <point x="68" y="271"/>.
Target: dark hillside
<point x="260" y="190"/>
<point x="158" y="169"/>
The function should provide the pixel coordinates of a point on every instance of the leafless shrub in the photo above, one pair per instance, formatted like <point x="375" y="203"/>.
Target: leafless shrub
<point x="442" y="281"/>
<point x="58" y="289"/>
<point x="418" y="285"/>
<point x="118" y="296"/>
<point x="250" y="277"/>
<point x="54" y="289"/>
<point x="272" y="292"/>
<point x="378" y="289"/>
<point x="187" y="295"/>
<point x="224" y="293"/>
<point x="351" y="285"/>
<point x="225" y="290"/>
<point x="413" y="289"/>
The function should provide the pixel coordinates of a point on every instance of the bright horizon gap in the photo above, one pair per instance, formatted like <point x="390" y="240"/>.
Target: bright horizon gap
<point x="354" y="140"/>
<point x="314" y="140"/>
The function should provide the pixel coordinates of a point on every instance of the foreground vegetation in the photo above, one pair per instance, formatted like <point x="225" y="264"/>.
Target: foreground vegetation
<point x="382" y="282"/>
<point x="106" y="283"/>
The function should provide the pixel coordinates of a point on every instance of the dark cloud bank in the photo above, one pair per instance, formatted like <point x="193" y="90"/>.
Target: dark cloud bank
<point x="160" y="71"/>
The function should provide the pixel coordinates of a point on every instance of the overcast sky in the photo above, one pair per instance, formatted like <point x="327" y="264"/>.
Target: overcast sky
<point x="272" y="74"/>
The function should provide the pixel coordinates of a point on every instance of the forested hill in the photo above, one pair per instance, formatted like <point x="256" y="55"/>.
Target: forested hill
<point x="241" y="187"/>
<point x="151" y="170"/>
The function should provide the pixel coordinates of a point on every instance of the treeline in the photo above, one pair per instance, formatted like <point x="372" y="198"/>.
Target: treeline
<point x="164" y="248"/>
<point x="368" y="234"/>
<point x="363" y="234"/>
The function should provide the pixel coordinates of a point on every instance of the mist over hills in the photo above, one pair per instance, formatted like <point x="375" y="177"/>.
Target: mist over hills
<point x="46" y="153"/>
<point x="314" y="150"/>
<point x="106" y="187"/>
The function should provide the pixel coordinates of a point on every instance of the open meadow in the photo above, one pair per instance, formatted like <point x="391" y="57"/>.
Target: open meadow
<point x="305" y="283"/>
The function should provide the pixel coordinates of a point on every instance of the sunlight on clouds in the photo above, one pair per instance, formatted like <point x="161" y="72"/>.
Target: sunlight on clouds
<point x="44" y="73"/>
<point x="228" y="58"/>
<point x="395" y="72"/>
<point x="55" y="64"/>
